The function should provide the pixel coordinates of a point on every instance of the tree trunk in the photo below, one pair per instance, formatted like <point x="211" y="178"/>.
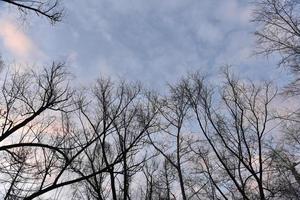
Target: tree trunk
<point x="113" y="184"/>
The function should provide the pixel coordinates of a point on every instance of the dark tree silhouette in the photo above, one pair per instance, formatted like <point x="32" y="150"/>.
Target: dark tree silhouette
<point x="47" y="8"/>
<point x="279" y="33"/>
<point x="235" y="127"/>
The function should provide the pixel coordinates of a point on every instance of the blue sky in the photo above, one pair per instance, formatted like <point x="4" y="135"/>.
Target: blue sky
<point x="153" y="41"/>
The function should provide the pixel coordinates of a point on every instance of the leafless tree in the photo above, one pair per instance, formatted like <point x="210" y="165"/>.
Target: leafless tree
<point x="47" y="8"/>
<point x="235" y="127"/>
<point x="279" y="33"/>
<point x="29" y="151"/>
<point x="208" y="142"/>
<point x="172" y="142"/>
<point x="150" y="192"/>
<point x="205" y="165"/>
<point x="159" y="179"/>
<point x="286" y="162"/>
<point x="117" y="120"/>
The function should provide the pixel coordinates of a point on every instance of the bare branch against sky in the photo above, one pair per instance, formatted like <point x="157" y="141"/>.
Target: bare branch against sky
<point x="45" y="8"/>
<point x="151" y="100"/>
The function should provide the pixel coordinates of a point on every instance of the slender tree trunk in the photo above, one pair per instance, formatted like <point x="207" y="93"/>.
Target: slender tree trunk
<point x="181" y="182"/>
<point x="113" y="184"/>
<point x="167" y="181"/>
<point x="180" y="176"/>
<point x="126" y="178"/>
<point x="260" y="181"/>
<point x="151" y="189"/>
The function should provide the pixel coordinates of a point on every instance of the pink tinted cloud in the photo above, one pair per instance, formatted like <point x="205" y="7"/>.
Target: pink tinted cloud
<point x="16" y="41"/>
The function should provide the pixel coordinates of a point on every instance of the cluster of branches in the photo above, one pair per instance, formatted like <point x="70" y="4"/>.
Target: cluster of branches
<point x="116" y="140"/>
<point x="49" y="9"/>
<point x="52" y="138"/>
<point x="279" y="33"/>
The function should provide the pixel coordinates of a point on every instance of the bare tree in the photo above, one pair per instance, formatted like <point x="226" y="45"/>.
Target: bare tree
<point x="100" y="143"/>
<point x="172" y="142"/>
<point x="159" y="178"/>
<point x="205" y="165"/>
<point x="235" y="127"/>
<point x="47" y="8"/>
<point x="280" y="33"/>
<point x="150" y="190"/>
<point x="286" y="162"/>
<point x="117" y="120"/>
<point x="30" y="151"/>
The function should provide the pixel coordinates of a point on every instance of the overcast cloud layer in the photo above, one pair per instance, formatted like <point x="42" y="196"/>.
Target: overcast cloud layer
<point x="153" y="41"/>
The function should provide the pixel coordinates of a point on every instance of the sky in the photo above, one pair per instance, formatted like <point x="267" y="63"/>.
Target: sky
<point x="152" y="41"/>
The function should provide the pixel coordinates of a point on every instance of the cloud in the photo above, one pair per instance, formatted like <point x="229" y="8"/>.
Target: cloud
<point x="16" y="41"/>
<point x="151" y="41"/>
